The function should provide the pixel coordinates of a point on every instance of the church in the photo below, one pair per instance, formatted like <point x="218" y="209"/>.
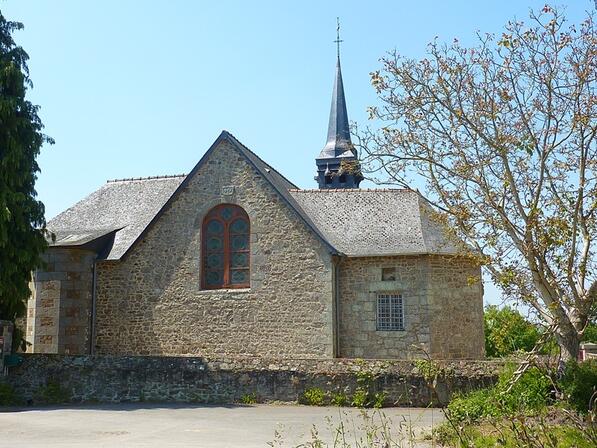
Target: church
<point x="234" y="260"/>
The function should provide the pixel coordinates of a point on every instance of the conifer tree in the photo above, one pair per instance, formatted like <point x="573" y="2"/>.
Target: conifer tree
<point x="22" y="222"/>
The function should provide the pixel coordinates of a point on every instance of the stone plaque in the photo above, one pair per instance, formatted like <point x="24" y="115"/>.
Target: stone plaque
<point x="228" y="190"/>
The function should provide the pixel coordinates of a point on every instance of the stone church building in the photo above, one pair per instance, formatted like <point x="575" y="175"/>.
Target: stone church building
<point x="233" y="259"/>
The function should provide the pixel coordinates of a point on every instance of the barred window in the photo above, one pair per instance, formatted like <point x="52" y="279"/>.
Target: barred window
<point x="390" y="312"/>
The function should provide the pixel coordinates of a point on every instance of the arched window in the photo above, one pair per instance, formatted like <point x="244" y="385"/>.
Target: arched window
<point x="225" y="248"/>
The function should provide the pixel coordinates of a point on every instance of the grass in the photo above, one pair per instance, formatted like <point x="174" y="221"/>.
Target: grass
<point x="514" y="433"/>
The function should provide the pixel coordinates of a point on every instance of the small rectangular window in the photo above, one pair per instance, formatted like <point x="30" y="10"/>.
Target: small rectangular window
<point x="388" y="274"/>
<point x="390" y="312"/>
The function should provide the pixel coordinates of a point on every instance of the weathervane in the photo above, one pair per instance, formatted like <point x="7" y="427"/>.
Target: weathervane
<point x="337" y="41"/>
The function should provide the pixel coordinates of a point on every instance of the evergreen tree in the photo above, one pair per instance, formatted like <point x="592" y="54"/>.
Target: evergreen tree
<point x="22" y="222"/>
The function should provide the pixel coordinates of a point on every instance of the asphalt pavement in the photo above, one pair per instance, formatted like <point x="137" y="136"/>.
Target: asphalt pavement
<point x="172" y="425"/>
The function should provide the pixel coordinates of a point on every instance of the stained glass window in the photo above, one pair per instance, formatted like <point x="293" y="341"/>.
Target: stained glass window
<point x="225" y="248"/>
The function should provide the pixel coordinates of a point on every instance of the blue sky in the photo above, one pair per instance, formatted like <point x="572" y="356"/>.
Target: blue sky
<point x="131" y="88"/>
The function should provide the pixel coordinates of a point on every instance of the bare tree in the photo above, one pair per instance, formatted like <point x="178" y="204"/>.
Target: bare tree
<point x="504" y="135"/>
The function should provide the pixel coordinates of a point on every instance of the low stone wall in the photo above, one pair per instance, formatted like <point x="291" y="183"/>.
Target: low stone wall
<point x="46" y="378"/>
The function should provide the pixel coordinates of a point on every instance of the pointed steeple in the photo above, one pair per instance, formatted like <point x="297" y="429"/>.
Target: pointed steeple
<point x="338" y="142"/>
<point x="337" y="164"/>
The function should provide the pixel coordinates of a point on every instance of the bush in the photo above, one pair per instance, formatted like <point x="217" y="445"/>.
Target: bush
<point x="472" y="407"/>
<point x="249" y="398"/>
<point x="360" y="398"/>
<point x="314" y="397"/>
<point x="529" y="394"/>
<point x="339" y="399"/>
<point x="579" y="383"/>
<point x="507" y="331"/>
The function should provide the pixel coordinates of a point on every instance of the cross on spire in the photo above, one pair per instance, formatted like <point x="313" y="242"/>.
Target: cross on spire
<point x="338" y="40"/>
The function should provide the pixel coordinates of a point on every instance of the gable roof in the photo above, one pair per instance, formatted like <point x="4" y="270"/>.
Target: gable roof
<point x="362" y="223"/>
<point x="348" y="222"/>
<point x="131" y="206"/>
<point x="122" y="206"/>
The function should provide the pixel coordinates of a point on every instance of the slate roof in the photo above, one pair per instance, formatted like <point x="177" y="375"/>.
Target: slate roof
<point x="348" y="222"/>
<point x="126" y="206"/>
<point x="362" y="223"/>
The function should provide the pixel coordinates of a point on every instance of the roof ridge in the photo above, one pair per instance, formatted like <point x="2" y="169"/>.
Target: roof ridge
<point x="353" y="190"/>
<point x="128" y="179"/>
<point x="264" y="162"/>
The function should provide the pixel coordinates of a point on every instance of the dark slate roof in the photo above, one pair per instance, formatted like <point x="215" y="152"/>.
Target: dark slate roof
<point x="362" y="223"/>
<point x="125" y="206"/>
<point x="338" y="143"/>
<point x="350" y="222"/>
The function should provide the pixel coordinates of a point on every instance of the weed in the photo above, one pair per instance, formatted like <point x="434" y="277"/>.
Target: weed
<point x="339" y="399"/>
<point x="249" y="398"/>
<point x="314" y="396"/>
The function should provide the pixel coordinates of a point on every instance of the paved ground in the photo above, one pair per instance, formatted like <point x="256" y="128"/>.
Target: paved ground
<point x="144" y="425"/>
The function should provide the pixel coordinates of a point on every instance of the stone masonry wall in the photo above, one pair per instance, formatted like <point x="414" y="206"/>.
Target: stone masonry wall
<point x="456" y="308"/>
<point x="443" y="310"/>
<point x="59" y="309"/>
<point x="151" y="302"/>
<point x="56" y="378"/>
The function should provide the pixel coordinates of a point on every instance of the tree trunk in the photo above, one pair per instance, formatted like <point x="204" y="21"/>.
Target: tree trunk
<point x="569" y="343"/>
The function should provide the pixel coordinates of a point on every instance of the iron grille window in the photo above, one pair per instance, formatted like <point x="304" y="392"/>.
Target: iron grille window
<point x="390" y="312"/>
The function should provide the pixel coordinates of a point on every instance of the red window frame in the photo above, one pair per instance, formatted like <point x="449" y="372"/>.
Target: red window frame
<point x="227" y="252"/>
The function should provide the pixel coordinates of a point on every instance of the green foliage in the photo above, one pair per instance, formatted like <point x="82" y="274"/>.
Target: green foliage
<point x="429" y="369"/>
<point x="339" y="399"/>
<point x="364" y="395"/>
<point x="53" y="393"/>
<point x="512" y="433"/>
<point x="8" y="396"/>
<point x="529" y="394"/>
<point x="249" y="398"/>
<point x="22" y="222"/>
<point x="507" y="331"/>
<point x="473" y="406"/>
<point x="379" y="399"/>
<point x="314" y="396"/>
<point x="579" y="383"/>
<point x="360" y="398"/>
<point x="590" y="334"/>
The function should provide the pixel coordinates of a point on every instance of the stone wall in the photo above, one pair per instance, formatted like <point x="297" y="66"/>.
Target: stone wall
<point x="151" y="302"/>
<point x="59" y="309"/>
<point x="443" y="308"/>
<point x="43" y="378"/>
<point x="456" y="308"/>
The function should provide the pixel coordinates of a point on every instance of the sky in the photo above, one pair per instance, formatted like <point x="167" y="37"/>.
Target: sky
<point x="132" y="88"/>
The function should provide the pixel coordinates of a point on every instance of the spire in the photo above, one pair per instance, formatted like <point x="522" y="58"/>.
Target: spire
<point x="337" y="164"/>
<point x="338" y="142"/>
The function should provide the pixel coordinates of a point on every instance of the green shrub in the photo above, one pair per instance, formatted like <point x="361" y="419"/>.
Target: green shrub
<point x="249" y="398"/>
<point x="529" y="394"/>
<point x="8" y="397"/>
<point x="579" y="383"/>
<point x="339" y="399"/>
<point x="472" y="406"/>
<point x="507" y="331"/>
<point x="314" y="397"/>
<point x="360" y="398"/>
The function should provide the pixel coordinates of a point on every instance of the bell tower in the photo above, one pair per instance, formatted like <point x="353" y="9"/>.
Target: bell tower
<point x="338" y="165"/>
